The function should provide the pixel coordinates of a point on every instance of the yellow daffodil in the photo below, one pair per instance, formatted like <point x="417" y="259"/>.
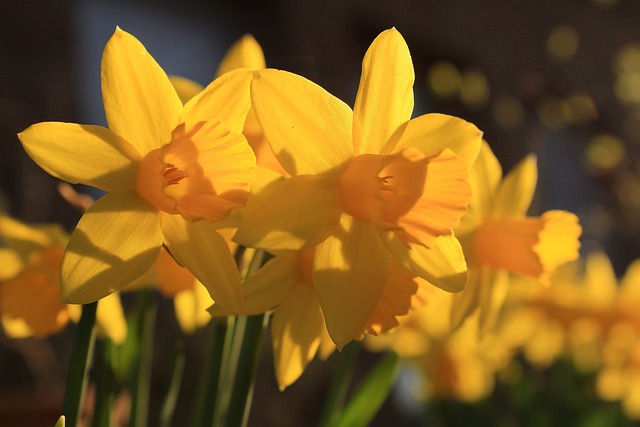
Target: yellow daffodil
<point x="366" y="184"/>
<point x="298" y="328"/>
<point x="172" y="174"/>
<point x="30" y="285"/>
<point x="498" y="238"/>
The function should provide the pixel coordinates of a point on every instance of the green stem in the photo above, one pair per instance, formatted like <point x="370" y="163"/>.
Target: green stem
<point x="142" y="379"/>
<point x="104" y="385"/>
<point x="242" y="392"/>
<point x="228" y="368"/>
<point x="173" y="387"/>
<point x="79" y="365"/>
<point x="334" y="403"/>
<point x="208" y="384"/>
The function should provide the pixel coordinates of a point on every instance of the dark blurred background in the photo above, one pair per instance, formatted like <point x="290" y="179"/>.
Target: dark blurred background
<point x="559" y="79"/>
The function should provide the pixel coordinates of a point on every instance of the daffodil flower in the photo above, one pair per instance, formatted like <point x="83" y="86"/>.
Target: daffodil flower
<point x="298" y="329"/>
<point x="498" y="237"/>
<point x="172" y="174"/>
<point x="367" y="185"/>
<point x="30" y="285"/>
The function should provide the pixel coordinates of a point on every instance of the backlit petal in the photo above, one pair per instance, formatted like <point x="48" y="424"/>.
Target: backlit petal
<point x="115" y="242"/>
<point x="140" y="103"/>
<point x="225" y="99"/>
<point x="296" y="331"/>
<point x="494" y="284"/>
<point x="299" y="212"/>
<point x="308" y="128"/>
<point x="484" y="176"/>
<point x="110" y="318"/>
<point x="465" y="302"/>
<point x="443" y="265"/>
<point x="191" y="308"/>
<point x="85" y="154"/>
<point x="198" y="247"/>
<point x="185" y="88"/>
<point x="245" y="53"/>
<point x="268" y="287"/>
<point x="385" y="97"/>
<point x="516" y="192"/>
<point x="350" y="270"/>
<point x="431" y="133"/>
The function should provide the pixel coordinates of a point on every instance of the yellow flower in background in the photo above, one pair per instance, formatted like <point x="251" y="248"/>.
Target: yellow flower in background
<point x="244" y="53"/>
<point x="498" y="238"/>
<point x="298" y="330"/>
<point x="172" y="174"/>
<point x="367" y="185"/>
<point x="30" y="285"/>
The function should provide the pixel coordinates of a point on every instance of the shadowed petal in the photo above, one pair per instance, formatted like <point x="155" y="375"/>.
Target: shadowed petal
<point x="115" y="242"/>
<point x="443" y="265"/>
<point x="140" y="103"/>
<point x="245" y="53"/>
<point x="308" y="128"/>
<point x="350" y="270"/>
<point x="198" y="247"/>
<point x="185" y="88"/>
<point x="85" y="154"/>
<point x="385" y="97"/>
<point x="296" y="332"/>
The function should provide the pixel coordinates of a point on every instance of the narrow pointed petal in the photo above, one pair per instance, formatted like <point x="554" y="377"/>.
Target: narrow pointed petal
<point x="84" y="154"/>
<point x="289" y="215"/>
<point x="465" y="302"/>
<point x="296" y="331"/>
<point x="198" y="247"/>
<point x="385" y="97"/>
<point x="601" y="283"/>
<point x="308" y="128"/>
<point x="431" y="133"/>
<point x="225" y="99"/>
<point x="185" y="88"/>
<point x="268" y="287"/>
<point x="443" y="265"/>
<point x="110" y="318"/>
<point x="350" y="271"/>
<point x="484" y="176"/>
<point x="140" y="103"/>
<point x="245" y="53"/>
<point x="494" y="284"/>
<point x="516" y="192"/>
<point x="115" y="242"/>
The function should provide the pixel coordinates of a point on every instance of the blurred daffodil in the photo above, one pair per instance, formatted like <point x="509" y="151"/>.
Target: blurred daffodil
<point x="367" y="185"/>
<point x="498" y="238"/>
<point x="30" y="285"/>
<point x="172" y="174"/>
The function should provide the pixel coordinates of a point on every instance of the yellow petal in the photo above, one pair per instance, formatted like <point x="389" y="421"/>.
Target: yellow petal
<point x="115" y="242"/>
<point x="443" y="265"/>
<point x="600" y="279"/>
<point x="10" y="263"/>
<point x="198" y="247"/>
<point x="299" y="212"/>
<point x="191" y="308"/>
<point x="431" y="133"/>
<point x="516" y="192"/>
<point x="140" y="103"/>
<point x="308" y="128"/>
<point x="269" y="286"/>
<point x="494" y="284"/>
<point x="350" y="270"/>
<point x="296" y="330"/>
<point x="244" y="53"/>
<point x="16" y="328"/>
<point x="185" y="88"/>
<point x="484" y="176"/>
<point x="465" y="302"/>
<point x="110" y="318"/>
<point x="385" y="97"/>
<point x="85" y="154"/>
<point x="225" y="99"/>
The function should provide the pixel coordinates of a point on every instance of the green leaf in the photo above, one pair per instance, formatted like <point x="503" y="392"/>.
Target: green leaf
<point x="371" y="395"/>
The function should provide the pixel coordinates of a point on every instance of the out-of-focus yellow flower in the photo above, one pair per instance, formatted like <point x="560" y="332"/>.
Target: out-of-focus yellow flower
<point x="30" y="285"/>
<point x="367" y="185"/>
<point x="298" y="329"/>
<point x="498" y="238"/>
<point x="173" y="173"/>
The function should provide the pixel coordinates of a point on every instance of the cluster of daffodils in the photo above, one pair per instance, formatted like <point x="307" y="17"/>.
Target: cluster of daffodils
<point x="371" y="219"/>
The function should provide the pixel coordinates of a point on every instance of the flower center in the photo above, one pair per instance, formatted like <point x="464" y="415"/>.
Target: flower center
<point x="172" y="174"/>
